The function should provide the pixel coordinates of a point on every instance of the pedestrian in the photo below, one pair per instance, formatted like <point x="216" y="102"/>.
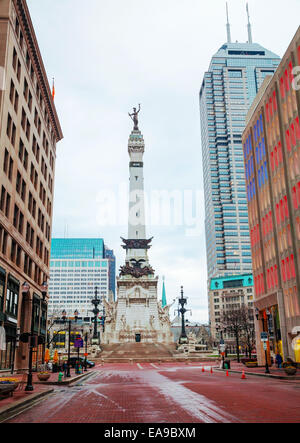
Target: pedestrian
<point x="65" y="369"/>
<point x="279" y="360"/>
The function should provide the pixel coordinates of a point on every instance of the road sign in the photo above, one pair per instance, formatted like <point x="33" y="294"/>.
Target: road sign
<point x="264" y="336"/>
<point x="222" y="348"/>
<point x="78" y="343"/>
<point x="265" y="345"/>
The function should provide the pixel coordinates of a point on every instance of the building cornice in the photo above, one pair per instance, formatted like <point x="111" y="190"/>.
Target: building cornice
<point x="30" y="36"/>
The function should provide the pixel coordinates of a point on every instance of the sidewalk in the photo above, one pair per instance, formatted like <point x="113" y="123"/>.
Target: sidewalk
<point x="21" y="398"/>
<point x="260" y="371"/>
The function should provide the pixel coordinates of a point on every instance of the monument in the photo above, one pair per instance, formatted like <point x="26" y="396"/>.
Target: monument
<point x="137" y="315"/>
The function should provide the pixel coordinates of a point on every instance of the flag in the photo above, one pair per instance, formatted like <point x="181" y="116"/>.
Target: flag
<point x="53" y="90"/>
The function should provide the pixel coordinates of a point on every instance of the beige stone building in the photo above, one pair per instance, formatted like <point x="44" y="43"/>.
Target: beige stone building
<point x="227" y="294"/>
<point x="29" y="131"/>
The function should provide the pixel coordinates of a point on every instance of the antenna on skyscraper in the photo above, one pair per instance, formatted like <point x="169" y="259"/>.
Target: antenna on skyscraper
<point x="250" y="40"/>
<point x="66" y="230"/>
<point x="228" y="25"/>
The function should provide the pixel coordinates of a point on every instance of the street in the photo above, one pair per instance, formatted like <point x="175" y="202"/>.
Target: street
<point x="168" y="393"/>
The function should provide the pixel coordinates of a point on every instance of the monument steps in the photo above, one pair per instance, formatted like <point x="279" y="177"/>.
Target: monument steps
<point x="140" y="351"/>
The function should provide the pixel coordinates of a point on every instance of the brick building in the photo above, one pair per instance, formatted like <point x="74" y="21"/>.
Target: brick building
<point x="29" y="131"/>
<point x="271" y="144"/>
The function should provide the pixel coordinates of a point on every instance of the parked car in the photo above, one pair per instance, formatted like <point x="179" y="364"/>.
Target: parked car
<point x="73" y="360"/>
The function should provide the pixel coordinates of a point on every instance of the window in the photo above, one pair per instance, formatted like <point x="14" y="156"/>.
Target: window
<point x="12" y="298"/>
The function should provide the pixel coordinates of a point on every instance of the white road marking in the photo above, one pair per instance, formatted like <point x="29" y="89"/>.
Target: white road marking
<point x="140" y="366"/>
<point x="154" y="366"/>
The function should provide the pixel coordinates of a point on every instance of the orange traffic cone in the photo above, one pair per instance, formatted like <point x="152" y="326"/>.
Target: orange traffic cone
<point x="203" y="370"/>
<point x="243" y="376"/>
<point x="211" y="370"/>
<point x="227" y="374"/>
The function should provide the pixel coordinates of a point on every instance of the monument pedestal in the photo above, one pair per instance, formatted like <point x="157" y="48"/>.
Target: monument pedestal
<point x="137" y="316"/>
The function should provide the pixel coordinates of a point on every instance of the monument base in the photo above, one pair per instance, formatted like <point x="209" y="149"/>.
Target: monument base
<point x="137" y="316"/>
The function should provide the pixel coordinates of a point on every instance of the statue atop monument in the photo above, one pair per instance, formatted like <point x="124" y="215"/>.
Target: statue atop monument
<point x="134" y="118"/>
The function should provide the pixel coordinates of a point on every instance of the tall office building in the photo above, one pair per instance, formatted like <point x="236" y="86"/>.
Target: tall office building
<point x="109" y="254"/>
<point x="29" y="131"/>
<point x="78" y="267"/>
<point x="235" y="74"/>
<point x="272" y="161"/>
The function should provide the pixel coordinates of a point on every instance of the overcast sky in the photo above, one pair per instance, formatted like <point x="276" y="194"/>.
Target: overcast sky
<point x="109" y="55"/>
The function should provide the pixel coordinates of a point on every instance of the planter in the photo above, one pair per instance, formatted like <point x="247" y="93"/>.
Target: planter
<point x="7" y="389"/>
<point x="251" y="364"/>
<point x="290" y="370"/>
<point x="43" y="377"/>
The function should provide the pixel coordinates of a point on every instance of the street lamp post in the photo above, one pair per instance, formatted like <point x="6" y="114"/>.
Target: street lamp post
<point x="96" y="302"/>
<point x="64" y="317"/>
<point x="30" y="338"/>
<point x="29" y="386"/>
<point x="86" y="352"/>
<point x="182" y="302"/>
<point x="267" y="371"/>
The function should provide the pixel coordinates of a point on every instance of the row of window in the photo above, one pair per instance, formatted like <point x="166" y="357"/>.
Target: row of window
<point x="16" y="254"/>
<point x="288" y="270"/>
<point x="293" y="134"/>
<point x="282" y="210"/>
<point x="267" y="223"/>
<point x="296" y="196"/>
<point x="34" y="79"/>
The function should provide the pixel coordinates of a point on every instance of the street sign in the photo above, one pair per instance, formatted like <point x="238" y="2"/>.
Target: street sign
<point x="264" y="336"/>
<point x="78" y="343"/>
<point x="222" y="348"/>
<point x="265" y="345"/>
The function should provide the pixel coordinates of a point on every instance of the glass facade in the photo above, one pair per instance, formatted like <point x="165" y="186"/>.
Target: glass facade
<point x="229" y="87"/>
<point x="77" y="248"/>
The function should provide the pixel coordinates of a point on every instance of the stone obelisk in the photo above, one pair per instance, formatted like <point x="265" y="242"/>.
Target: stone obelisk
<point x="137" y="316"/>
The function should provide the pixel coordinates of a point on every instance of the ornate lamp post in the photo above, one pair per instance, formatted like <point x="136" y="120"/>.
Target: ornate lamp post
<point x="182" y="302"/>
<point x="96" y="302"/>
<point x="64" y="318"/>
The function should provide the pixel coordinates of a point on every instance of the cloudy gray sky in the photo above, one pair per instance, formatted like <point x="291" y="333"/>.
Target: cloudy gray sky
<point x="109" y="55"/>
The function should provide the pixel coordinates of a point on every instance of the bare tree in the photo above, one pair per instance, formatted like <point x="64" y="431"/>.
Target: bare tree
<point x="231" y="321"/>
<point x="248" y="328"/>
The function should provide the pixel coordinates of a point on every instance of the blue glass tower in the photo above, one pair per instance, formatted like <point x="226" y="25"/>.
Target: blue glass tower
<point x="229" y="87"/>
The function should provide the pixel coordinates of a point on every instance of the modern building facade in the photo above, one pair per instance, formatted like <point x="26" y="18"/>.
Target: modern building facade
<point x="29" y="132"/>
<point x="78" y="267"/>
<point x="271" y="143"/>
<point x="229" y="87"/>
<point x="225" y="294"/>
<point x="109" y="254"/>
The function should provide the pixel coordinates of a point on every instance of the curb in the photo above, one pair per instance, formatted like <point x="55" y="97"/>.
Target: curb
<point x="257" y="374"/>
<point x="6" y="410"/>
<point x="109" y="360"/>
<point x="64" y="382"/>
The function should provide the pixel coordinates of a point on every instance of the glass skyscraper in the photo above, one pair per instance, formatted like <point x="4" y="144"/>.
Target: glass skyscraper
<point x="229" y="87"/>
